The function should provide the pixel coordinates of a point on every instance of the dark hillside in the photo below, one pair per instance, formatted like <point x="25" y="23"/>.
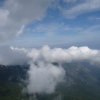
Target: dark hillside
<point x="82" y="82"/>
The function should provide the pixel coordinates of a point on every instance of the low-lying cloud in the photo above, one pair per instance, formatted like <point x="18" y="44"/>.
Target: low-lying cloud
<point x="43" y="77"/>
<point x="43" y="74"/>
<point x="60" y="55"/>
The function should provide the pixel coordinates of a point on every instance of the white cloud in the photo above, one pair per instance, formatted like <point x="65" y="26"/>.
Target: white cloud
<point x="14" y="14"/>
<point x="83" y="7"/>
<point x="60" y="55"/>
<point x="48" y="55"/>
<point x="43" y="77"/>
<point x="43" y="74"/>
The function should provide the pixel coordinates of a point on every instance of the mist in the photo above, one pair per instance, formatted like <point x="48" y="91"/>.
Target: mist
<point x="12" y="56"/>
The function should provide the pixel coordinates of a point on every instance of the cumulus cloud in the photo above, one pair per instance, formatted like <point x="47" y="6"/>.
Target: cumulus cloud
<point x="9" y="55"/>
<point x="60" y="55"/>
<point x="43" y="77"/>
<point x="16" y="14"/>
<point x="43" y="74"/>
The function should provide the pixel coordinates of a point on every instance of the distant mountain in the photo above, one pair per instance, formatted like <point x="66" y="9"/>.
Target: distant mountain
<point x="82" y="82"/>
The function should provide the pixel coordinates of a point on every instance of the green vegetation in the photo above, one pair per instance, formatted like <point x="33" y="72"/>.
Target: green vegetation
<point x="82" y="82"/>
<point x="10" y="91"/>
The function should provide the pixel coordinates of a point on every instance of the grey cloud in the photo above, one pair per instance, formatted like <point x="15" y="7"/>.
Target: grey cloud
<point x="9" y="56"/>
<point x="16" y="14"/>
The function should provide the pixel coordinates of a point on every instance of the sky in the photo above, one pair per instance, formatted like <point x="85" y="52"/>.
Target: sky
<point x="57" y="23"/>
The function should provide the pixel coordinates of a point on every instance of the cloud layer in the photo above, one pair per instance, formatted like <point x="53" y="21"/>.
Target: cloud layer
<point x="43" y="74"/>
<point x="60" y="55"/>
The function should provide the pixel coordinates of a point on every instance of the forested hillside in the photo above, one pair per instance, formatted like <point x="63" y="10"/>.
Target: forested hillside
<point x="82" y="82"/>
